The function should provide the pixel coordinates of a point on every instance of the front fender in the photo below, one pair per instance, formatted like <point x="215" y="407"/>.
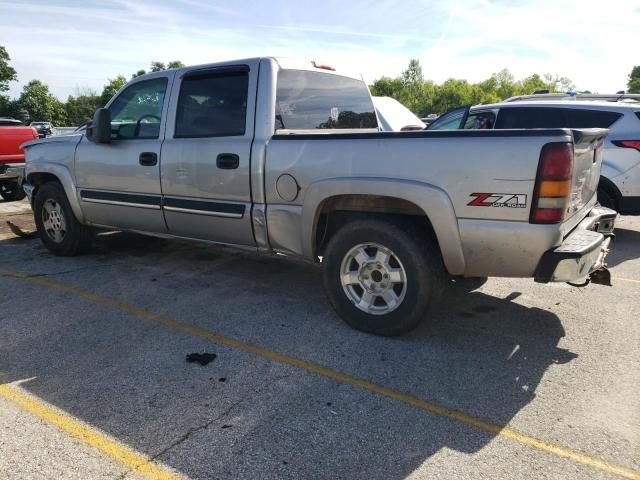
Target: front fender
<point x="62" y="173"/>
<point x="432" y="200"/>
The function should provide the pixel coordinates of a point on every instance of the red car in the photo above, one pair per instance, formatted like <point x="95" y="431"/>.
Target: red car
<point x="12" y="135"/>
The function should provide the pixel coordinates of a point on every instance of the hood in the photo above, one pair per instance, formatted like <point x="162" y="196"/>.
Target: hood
<point x="71" y="138"/>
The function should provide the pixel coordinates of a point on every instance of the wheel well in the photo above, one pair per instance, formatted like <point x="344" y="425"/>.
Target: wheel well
<point x="37" y="179"/>
<point x="336" y="211"/>
<point x="40" y="178"/>
<point x="610" y="187"/>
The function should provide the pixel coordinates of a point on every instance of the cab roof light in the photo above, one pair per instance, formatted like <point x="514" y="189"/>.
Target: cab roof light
<point x="322" y="66"/>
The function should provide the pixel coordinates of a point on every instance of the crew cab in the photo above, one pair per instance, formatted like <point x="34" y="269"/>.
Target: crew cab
<point x="286" y="157"/>
<point x="12" y="135"/>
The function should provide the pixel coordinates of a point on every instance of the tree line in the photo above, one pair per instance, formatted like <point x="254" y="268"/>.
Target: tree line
<point x="36" y="103"/>
<point x="424" y="96"/>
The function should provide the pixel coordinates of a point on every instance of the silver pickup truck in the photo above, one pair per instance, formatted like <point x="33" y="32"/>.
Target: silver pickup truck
<point x="287" y="157"/>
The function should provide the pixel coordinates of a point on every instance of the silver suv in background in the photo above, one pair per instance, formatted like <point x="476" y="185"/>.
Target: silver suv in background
<point x="619" y="186"/>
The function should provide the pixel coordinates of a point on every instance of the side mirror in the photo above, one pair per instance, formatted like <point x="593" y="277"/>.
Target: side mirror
<point x="99" y="130"/>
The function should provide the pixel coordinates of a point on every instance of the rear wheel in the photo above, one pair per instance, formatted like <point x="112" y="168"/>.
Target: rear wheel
<point x="57" y="225"/>
<point x="382" y="277"/>
<point x="11" y="192"/>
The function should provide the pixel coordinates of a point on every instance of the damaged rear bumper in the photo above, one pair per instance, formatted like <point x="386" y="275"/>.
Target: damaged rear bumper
<point x="582" y="253"/>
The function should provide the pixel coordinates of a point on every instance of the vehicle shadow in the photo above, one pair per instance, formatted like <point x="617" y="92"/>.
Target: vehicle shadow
<point x="626" y="246"/>
<point x="485" y="357"/>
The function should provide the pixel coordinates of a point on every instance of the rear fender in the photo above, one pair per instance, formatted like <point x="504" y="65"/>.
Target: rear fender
<point x="433" y="201"/>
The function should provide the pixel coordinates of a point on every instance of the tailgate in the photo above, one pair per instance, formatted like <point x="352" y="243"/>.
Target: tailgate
<point x="587" y="161"/>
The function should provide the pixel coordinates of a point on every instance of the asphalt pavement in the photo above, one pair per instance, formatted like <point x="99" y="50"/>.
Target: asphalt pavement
<point x="513" y="380"/>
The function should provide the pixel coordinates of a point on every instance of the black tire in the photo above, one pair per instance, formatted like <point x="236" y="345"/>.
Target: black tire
<point x="74" y="237"/>
<point x="417" y="256"/>
<point x="606" y="199"/>
<point x="12" y="192"/>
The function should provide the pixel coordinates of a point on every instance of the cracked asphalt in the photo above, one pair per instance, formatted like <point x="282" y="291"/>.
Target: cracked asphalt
<point x="294" y="393"/>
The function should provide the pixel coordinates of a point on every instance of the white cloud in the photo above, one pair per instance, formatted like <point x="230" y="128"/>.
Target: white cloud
<point x="83" y="44"/>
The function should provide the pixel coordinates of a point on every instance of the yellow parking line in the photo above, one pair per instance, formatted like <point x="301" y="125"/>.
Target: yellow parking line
<point x="87" y="434"/>
<point x="499" y="430"/>
<point x="626" y="279"/>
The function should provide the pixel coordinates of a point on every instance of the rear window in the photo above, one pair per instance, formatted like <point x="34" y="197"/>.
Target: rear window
<point x="314" y="100"/>
<point x="592" y="118"/>
<point x="638" y="115"/>
<point x="555" y="118"/>
<point x="532" y="118"/>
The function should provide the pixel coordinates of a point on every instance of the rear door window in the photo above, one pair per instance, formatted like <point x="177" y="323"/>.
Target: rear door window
<point x="314" y="100"/>
<point x="451" y="120"/>
<point x="213" y="104"/>
<point x="480" y="121"/>
<point x="532" y="117"/>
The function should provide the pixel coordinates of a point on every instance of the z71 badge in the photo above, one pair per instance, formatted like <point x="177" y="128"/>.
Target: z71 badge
<point x="510" y="200"/>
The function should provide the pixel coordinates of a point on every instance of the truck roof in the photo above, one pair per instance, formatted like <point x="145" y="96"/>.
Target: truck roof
<point x="284" y="63"/>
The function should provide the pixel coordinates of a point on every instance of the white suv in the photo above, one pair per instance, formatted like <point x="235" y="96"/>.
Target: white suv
<point x="619" y="186"/>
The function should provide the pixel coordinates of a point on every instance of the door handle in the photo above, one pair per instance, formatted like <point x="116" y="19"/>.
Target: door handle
<point x="228" y="161"/>
<point x="148" y="159"/>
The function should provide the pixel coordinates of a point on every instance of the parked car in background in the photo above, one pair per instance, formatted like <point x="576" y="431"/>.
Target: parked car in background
<point x="619" y="186"/>
<point x="13" y="133"/>
<point x="395" y="117"/>
<point x="286" y="157"/>
<point x="429" y="119"/>
<point x="44" y="129"/>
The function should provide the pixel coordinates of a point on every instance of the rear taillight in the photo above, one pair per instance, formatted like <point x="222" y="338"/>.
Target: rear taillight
<point x="627" y="144"/>
<point x="553" y="184"/>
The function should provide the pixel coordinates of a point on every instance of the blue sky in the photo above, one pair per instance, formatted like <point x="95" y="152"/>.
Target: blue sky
<point x="75" y="45"/>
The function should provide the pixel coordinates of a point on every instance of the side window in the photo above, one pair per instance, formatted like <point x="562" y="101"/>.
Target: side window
<point x="592" y="118"/>
<point x="137" y="111"/>
<point x="480" y="121"/>
<point x="212" y="105"/>
<point x="450" y="120"/>
<point x="532" y="117"/>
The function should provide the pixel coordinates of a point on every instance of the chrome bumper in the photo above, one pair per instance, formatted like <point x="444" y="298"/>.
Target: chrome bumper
<point x="582" y="253"/>
<point x="12" y="172"/>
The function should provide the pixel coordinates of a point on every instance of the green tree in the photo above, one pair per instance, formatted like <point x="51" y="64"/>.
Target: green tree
<point x="7" y="72"/>
<point x="559" y="84"/>
<point x="138" y="73"/>
<point x="633" y="85"/>
<point x="80" y="109"/>
<point x="7" y="75"/>
<point x="413" y="80"/>
<point x="157" y="66"/>
<point x="110" y="89"/>
<point x="424" y="96"/>
<point x="175" y="64"/>
<point x="40" y="105"/>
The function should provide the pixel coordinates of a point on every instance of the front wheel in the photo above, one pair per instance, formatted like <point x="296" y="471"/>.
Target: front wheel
<point x="382" y="278"/>
<point x="57" y="225"/>
<point x="12" y="192"/>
